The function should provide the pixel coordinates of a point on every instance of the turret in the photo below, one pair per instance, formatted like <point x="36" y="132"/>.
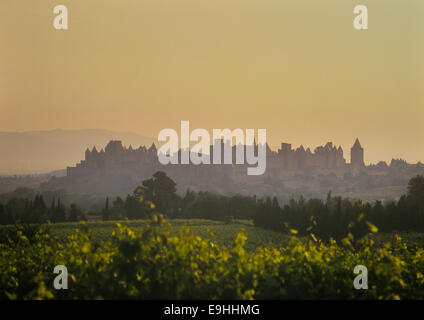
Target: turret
<point x="357" y="154"/>
<point x="114" y="147"/>
<point x="152" y="148"/>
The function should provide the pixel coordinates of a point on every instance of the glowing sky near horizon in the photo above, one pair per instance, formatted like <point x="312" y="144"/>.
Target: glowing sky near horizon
<point x="295" y="68"/>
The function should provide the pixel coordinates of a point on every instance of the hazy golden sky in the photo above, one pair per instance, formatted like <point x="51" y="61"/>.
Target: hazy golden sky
<point x="296" y="68"/>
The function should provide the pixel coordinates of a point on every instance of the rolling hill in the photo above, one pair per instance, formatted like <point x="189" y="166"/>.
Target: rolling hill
<point x="44" y="151"/>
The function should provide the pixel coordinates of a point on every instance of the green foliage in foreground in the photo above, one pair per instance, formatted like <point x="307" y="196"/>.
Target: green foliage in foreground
<point x="155" y="264"/>
<point x="224" y="233"/>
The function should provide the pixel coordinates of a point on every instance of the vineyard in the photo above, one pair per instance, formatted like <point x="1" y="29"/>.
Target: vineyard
<point x="223" y="233"/>
<point x="201" y="259"/>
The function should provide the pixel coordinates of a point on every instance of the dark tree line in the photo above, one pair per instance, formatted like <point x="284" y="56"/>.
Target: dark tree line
<point x="334" y="217"/>
<point x="158" y="195"/>
<point x="338" y="216"/>
<point x="18" y="210"/>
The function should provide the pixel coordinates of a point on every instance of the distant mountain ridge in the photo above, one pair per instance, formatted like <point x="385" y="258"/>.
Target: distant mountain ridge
<point x="44" y="151"/>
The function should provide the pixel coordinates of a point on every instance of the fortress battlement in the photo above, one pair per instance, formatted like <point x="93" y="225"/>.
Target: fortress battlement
<point x="116" y="157"/>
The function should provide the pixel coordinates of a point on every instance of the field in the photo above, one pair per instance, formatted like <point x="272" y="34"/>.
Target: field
<point x="222" y="233"/>
<point x="219" y="232"/>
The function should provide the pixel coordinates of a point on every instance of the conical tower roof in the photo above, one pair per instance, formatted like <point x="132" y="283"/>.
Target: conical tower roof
<point x="357" y="144"/>
<point x="152" y="147"/>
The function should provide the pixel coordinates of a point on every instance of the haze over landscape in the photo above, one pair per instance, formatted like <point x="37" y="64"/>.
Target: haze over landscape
<point x="297" y="69"/>
<point x="331" y="207"/>
<point x="45" y="151"/>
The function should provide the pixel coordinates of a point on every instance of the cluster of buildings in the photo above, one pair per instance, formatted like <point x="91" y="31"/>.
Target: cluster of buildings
<point x="116" y="159"/>
<point x="117" y="170"/>
<point x="323" y="158"/>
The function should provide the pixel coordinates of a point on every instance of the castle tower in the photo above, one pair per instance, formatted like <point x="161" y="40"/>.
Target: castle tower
<point x="357" y="154"/>
<point x="114" y="148"/>
<point x="153" y="149"/>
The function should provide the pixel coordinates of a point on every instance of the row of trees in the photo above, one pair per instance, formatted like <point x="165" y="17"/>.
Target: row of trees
<point x="18" y="210"/>
<point x="334" y="217"/>
<point x="159" y="194"/>
<point x="338" y="216"/>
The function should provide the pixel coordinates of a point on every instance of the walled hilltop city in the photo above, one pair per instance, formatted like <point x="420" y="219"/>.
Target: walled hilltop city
<point x="118" y="170"/>
<point x="115" y="157"/>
